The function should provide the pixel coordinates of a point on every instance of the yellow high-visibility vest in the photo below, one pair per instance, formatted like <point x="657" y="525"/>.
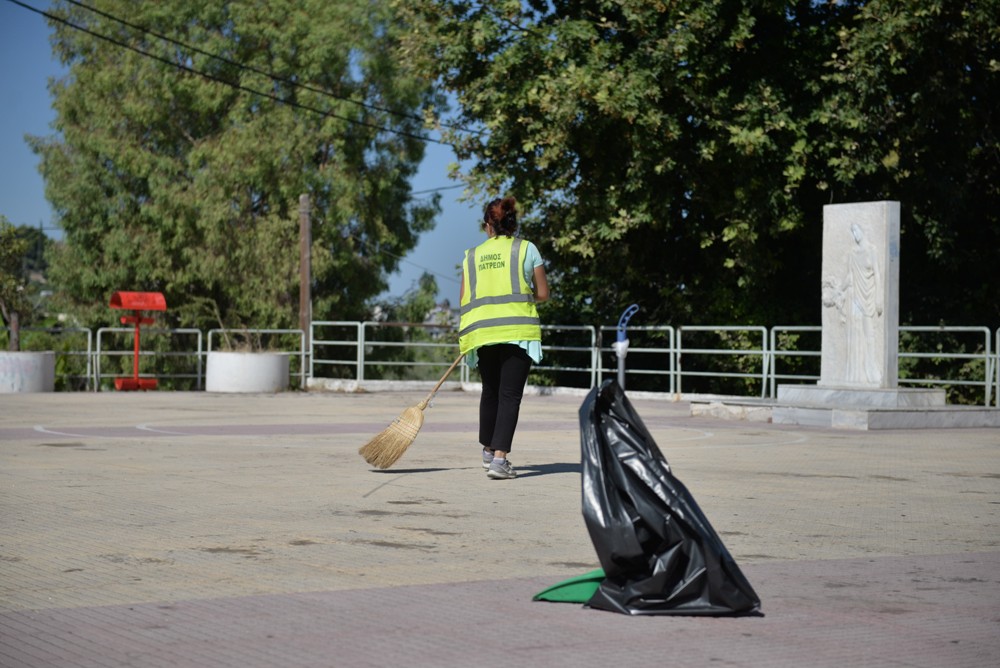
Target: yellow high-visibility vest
<point x="498" y="305"/>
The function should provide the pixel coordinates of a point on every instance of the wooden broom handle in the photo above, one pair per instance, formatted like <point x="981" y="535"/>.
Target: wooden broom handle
<point x="441" y="382"/>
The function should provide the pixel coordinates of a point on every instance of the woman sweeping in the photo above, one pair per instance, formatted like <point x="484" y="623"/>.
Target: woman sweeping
<point x="499" y="331"/>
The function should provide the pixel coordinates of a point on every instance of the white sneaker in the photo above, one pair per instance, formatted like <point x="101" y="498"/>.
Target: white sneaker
<point x="502" y="471"/>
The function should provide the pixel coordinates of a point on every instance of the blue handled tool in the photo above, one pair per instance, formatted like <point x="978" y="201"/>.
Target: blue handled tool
<point x="621" y="345"/>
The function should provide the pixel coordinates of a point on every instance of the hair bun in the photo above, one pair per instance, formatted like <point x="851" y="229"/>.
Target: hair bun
<point x="502" y="215"/>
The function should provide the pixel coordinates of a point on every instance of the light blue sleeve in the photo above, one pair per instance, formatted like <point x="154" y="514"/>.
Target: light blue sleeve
<point x="532" y="259"/>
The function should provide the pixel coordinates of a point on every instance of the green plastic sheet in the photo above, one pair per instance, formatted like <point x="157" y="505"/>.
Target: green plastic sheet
<point x="578" y="589"/>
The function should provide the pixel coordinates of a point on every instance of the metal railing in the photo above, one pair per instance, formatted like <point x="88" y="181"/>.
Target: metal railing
<point x="196" y="370"/>
<point x="569" y="357"/>
<point x="319" y="342"/>
<point x="762" y="366"/>
<point x="743" y="353"/>
<point x="781" y="353"/>
<point x="985" y="356"/>
<point x="668" y="359"/>
<point x="640" y="346"/>
<point x="148" y="353"/>
<point x="385" y="346"/>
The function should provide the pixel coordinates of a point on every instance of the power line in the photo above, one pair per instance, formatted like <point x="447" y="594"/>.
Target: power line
<point x="451" y="279"/>
<point x="250" y="68"/>
<point x="252" y="91"/>
<point x="428" y="270"/>
<point x="437" y="190"/>
<point x="231" y="84"/>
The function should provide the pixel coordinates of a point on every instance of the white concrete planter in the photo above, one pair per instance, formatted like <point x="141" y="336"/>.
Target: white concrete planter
<point x="27" y="371"/>
<point x="246" y="372"/>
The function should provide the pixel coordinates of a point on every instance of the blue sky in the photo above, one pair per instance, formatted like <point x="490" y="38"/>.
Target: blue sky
<point x="26" y="64"/>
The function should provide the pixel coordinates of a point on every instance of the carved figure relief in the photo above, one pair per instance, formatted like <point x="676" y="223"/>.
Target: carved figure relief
<point x="856" y="297"/>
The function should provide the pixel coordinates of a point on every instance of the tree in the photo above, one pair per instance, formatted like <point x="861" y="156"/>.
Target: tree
<point x="13" y="283"/>
<point x="678" y="155"/>
<point x="425" y="326"/>
<point x="186" y="135"/>
<point x="36" y="246"/>
<point x="415" y="305"/>
<point x="911" y="113"/>
<point x="658" y="147"/>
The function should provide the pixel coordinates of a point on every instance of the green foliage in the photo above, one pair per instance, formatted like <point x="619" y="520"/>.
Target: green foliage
<point x="36" y="244"/>
<point x="960" y="370"/>
<point x="15" y="303"/>
<point x="911" y="114"/>
<point x="415" y="305"/>
<point x="654" y="143"/>
<point x="416" y="350"/>
<point x="787" y="363"/>
<point x="734" y="365"/>
<point x="678" y="155"/>
<point x="164" y="180"/>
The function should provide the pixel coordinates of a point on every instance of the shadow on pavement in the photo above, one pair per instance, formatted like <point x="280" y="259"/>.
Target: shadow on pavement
<point x="531" y="470"/>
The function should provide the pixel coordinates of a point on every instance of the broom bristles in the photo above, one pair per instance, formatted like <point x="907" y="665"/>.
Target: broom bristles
<point x="387" y="447"/>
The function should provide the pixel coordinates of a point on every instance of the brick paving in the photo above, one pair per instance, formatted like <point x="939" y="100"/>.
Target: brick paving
<point x="194" y="529"/>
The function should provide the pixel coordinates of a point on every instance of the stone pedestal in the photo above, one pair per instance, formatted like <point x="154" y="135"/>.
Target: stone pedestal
<point x="860" y="295"/>
<point x="847" y="397"/>
<point x="860" y="340"/>
<point x="854" y="408"/>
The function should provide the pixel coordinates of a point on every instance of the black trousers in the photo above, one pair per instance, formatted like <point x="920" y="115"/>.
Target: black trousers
<point x="504" y="369"/>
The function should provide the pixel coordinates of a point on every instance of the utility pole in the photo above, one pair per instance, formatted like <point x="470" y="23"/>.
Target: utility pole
<point x="305" y="267"/>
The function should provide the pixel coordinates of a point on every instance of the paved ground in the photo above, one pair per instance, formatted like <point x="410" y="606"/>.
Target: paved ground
<point x="194" y="529"/>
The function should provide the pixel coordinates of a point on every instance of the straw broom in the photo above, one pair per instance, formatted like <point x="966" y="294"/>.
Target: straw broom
<point x="385" y="449"/>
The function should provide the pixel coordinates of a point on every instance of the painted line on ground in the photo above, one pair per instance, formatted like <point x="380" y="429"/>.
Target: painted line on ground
<point x="146" y="427"/>
<point x="39" y="428"/>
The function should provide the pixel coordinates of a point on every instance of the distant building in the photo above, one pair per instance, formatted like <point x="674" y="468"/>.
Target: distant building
<point x="442" y="320"/>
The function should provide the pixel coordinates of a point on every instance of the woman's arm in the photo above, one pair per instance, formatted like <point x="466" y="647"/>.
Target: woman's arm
<point x="541" y="285"/>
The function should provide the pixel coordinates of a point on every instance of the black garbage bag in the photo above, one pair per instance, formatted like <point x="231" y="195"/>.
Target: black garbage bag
<point x="659" y="553"/>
